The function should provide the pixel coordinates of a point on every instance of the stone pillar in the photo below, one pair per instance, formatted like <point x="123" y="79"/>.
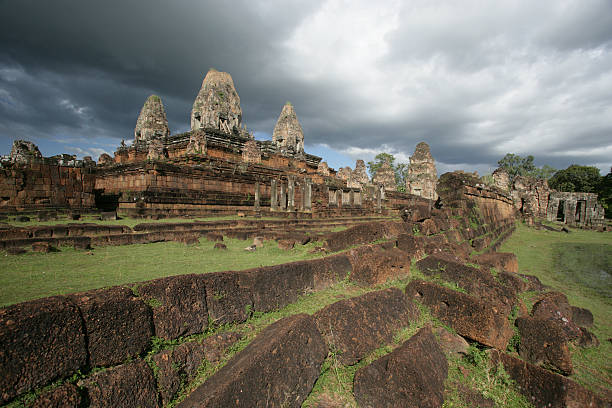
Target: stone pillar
<point x="291" y="193"/>
<point x="283" y="197"/>
<point x="273" y="195"/>
<point x="307" y="195"/>
<point x="257" y="208"/>
<point x="351" y="197"/>
<point x="379" y="199"/>
<point x="339" y="198"/>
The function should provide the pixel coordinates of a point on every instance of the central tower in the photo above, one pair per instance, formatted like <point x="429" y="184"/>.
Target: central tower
<point x="217" y="105"/>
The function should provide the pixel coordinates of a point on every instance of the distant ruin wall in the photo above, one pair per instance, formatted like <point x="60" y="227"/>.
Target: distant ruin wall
<point x="42" y="186"/>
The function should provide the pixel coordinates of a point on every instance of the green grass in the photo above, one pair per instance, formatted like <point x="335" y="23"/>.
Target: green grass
<point x="35" y="275"/>
<point x="578" y="264"/>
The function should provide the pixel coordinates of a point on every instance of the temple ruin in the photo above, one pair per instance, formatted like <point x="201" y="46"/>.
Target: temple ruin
<point x="385" y="176"/>
<point x="217" y="105"/>
<point x="288" y="134"/>
<point x="152" y="123"/>
<point x="422" y="177"/>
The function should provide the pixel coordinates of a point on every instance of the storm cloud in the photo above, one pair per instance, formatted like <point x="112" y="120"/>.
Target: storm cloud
<point x="474" y="79"/>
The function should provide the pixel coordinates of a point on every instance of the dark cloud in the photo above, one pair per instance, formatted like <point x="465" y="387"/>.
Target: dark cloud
<point x="474" y="82"/>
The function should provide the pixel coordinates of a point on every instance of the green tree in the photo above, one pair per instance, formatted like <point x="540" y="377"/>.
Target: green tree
<point x="516" y="165"/>
<point x="400" y="169"/>
<point x="604" y="193"/>
<point x="583" y="179"/>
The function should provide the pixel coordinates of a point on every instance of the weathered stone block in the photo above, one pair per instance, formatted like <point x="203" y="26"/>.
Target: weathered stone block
<point x="356" y="326"/>
<point x="178" y="303"/>
<point x="544" y="388"/>
<point x="65" y="396"/>
<point x="40" y="340"/>
<point x="127" y="385"/>
<point x="373" y="265"/>
<point x="501" y="261"/>
<point x="411" y="376"/>
<point x="228" y="297"/>
<point x="117" y="324"/>
<point x="278" y="368"/>
<point x="582" y="317"/>
<point x="470" y="316"/>
<point x="543" y="342"/>
<point x="478" y="282"/>
<point x="555" y="306"/>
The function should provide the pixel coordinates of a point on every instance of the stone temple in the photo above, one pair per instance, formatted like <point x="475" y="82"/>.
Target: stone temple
<point x="217" y="167"/>
<point x="288" y="134"/>
<point x="152" y="122"/>
<point x="217" y="105"/>
<point x="422" y="176"/>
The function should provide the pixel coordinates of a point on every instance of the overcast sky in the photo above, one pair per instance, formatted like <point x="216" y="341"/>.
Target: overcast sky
<point x="473" y="79"/>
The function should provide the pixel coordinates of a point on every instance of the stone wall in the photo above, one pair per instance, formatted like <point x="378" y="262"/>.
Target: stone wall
<point x="45" y="186"/>
<point x="575" y="209"/>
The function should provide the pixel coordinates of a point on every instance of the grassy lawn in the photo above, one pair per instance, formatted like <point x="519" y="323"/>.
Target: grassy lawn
<point x="578" y="264"/>
<point x="35" y="275"/>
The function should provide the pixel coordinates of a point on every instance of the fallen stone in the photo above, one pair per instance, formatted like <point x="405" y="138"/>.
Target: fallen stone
<point x="534" y="283"/>
<point x="286" y="244"/>
<point x="469" y="316"/>
<point x="177" y="367"/>
<point x="582" y="317"/>
<point x="215" y="346"/>
<point x="555" y="306"/>
<point x="587" y="339"/>
<point x="65" y="396"/>
<point x="278" y="368"/>
<point x="478" y="282"/>
<point x="412" y="245"/>
<point x="501" y="261"/>
<point x="411" y="376"/>
<point x="544" y="343"/>
<point x="40" y="340"/>
<point x="75" y="216"/>
<point x="544" y="388"/>
<point x="227" y="299"/>
<point x="178" y="304"/>
<point x="356" y="326"/>
<point x="220" y="246"/>
<point x="117" y="324"/>
<point x="22" y="218"/>
<point x="258" y="242"/>
<point x="451" y="344"/>
<point x="251" y="248"/>
<point x="373" y="265"/>
<point x="127" y="385"/>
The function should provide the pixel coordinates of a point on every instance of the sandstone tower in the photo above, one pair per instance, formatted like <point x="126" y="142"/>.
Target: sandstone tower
<point x="152" y="122"/>
<point x="217" y="105"/>
<point x="422" y="176"/>
<point x="360" y="174"/>
<point x="288" y="134"/>
<point x="385" y="176"/>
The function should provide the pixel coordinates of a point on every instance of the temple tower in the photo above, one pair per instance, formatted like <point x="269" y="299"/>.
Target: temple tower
<point x="217" y="105"/>
<point x="152" y="122"/>
<point x="288" y="134"/>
